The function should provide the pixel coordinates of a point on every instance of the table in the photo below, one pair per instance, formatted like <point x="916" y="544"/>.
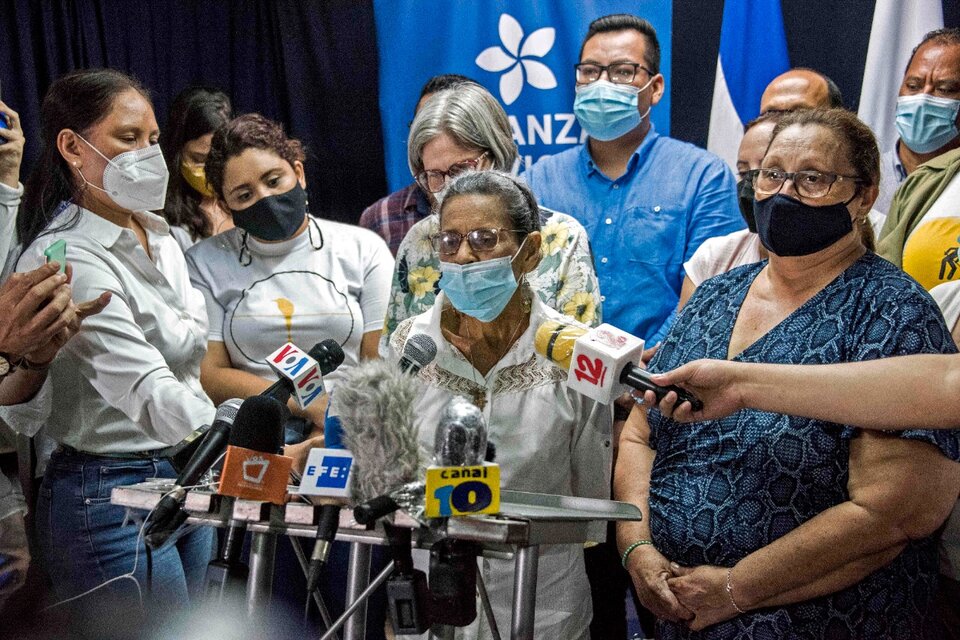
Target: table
<point x="526" y="520"/>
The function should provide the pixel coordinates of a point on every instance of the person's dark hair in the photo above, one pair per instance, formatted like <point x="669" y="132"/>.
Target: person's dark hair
<point x="443" y="81"/>
<point x="859" y="140"/>
<point x="834" y="96"/>
<point x="944" y="37"/>
<point x="248" y="131"/>
<point x="513" y="193"/>
<point x="195" y="112"/>
<point x="622" y="22"/>
<point x="75" y="101"/>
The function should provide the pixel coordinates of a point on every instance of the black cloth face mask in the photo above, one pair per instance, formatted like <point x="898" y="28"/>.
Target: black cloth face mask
<point x="275" y="217"/>
<point x="745" y="197"/>
<point x="788" y="227"/>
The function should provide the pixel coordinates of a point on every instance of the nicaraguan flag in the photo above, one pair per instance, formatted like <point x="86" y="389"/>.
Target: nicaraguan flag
<point x="898" y="27"/>
<point x="753" y="51"/>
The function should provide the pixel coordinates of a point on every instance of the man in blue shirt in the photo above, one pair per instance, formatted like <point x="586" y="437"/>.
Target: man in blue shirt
<point x="646" y="200"/>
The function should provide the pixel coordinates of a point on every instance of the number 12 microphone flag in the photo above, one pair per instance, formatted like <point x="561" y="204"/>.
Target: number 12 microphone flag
<point x="753" y="51"/>
<point x="522" y="52"/>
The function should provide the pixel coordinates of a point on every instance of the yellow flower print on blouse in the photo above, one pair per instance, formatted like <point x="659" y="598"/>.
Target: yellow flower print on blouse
<point x="581" y="307"/>
<point x="555" y="238"/>
<point x="422" y="280"/>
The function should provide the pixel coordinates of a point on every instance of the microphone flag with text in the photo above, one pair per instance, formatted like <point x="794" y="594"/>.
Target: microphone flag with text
<point x="601" y="362"/>
<point x="301" y="374"/>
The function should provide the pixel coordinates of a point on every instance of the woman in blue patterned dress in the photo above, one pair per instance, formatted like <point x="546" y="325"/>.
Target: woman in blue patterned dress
<point x="763" y="525"/>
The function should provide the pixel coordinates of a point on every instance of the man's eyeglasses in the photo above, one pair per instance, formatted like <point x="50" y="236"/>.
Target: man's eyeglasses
<point x="447" y="243"/>
<point x="434" y="180"/>
<point x="618" y="72"/>
<point x="747" y="175"/>
<point x="809" y="184"/>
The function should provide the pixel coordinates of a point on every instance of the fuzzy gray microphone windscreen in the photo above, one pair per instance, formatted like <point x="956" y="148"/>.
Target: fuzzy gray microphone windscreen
<point x="375" y="405"/>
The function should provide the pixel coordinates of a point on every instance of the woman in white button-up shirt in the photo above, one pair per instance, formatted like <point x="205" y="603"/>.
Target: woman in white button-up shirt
<point x="549" y="438"/>
<point x="128" y="384"/>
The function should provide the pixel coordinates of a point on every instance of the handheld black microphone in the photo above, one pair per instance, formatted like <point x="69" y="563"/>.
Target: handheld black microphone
<point x="168" y="514"/>
<point x="258" y="427"/>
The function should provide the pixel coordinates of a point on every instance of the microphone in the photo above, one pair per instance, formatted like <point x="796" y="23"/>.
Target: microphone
<point x="301" y="374"/>
<point x="461" y="437"/>
<point x="460" y="442"/>
<point x="418" y="351"/>
<point x="251" y="470"/>
<point x="168" y="514"/>
<point x="600" y="364"/>
<point x="376" y="412"/>
<point x="334" y="466"/>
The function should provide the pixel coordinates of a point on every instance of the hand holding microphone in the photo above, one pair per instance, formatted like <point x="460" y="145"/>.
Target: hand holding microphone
<point x="600" y="361"/>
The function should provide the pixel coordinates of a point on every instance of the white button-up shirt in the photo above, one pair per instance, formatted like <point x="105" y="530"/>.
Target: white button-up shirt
<point x="130" y="379"/>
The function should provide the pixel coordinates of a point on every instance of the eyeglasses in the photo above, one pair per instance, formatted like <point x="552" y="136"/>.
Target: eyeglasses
<point x="748" y="174"/>
<point x="618" y="72"/>
<point x="434" y="180"/>
<point x="809" y="184"/>
<point x="447" y="243"/>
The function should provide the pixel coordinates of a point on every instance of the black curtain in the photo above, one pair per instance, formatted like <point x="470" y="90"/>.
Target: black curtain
<point x="311" y="64"/>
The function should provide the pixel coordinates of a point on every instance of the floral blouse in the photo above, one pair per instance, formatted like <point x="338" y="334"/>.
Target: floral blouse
<point x="565" y="279"/>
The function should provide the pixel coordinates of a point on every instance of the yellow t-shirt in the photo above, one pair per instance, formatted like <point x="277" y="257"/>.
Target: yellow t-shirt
<point x="932" y="251"/>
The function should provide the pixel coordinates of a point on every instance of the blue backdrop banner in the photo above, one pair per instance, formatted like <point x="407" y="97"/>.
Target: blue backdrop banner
<point x="522" y="52"/>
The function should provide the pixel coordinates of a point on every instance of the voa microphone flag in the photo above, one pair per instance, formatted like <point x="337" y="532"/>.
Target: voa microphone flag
<point x="753" y="51"/>
<point x="522" y="52"/>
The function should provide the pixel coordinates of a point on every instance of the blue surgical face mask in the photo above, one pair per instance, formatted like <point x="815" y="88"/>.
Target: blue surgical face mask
<point x="480" y="289"/>
<point x="607" y="110"/>
<point x="925" y="122"/>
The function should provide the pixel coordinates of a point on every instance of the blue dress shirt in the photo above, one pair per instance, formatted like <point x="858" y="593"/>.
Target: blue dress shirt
<point x="644" y="225"/>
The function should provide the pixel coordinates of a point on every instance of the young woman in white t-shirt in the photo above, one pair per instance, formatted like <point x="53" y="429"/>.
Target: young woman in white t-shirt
<point x="281" y="275"/>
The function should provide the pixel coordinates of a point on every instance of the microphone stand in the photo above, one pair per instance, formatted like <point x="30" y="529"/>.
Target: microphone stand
<point x="226" y="576"/>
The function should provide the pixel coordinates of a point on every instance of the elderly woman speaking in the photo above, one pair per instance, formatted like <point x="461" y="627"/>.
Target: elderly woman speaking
<point x="549" y="438"/>
<point x="763" y="525"/>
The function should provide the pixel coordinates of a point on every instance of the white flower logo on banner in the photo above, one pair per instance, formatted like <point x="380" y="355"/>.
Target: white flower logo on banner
<point x="516" y="59"/>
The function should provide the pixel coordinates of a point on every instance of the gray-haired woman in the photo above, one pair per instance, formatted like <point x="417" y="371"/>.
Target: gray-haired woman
<point x="461" y="129"/>
<point x="549" y="439"/>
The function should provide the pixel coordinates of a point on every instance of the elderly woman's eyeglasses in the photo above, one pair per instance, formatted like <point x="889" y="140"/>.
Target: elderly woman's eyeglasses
<point x="434" y="180"/>
<point x="618" y="72"/>
<point x="809" y="184"/>
<point x="447" y="243"/>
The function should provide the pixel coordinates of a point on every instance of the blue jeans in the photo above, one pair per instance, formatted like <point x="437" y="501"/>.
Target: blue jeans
<point x="84" y="540"/>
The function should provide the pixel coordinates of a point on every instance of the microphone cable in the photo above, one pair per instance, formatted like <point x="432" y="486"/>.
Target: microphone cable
<point x="136" y="558"/>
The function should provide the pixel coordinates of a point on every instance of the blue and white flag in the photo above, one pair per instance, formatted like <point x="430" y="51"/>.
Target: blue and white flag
<point x="522" y="52"/>
<point x="897" y="28"/>
<point x="753" y="51"/>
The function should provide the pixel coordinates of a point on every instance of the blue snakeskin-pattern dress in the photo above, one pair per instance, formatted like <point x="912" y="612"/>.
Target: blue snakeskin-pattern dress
<point x="722" y="489"/>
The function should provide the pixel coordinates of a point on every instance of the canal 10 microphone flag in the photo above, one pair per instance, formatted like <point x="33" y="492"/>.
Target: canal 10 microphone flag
<point x="522" y="52"/>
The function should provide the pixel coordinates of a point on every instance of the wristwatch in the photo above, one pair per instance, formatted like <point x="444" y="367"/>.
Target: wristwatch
<point x="6" y="365"/>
